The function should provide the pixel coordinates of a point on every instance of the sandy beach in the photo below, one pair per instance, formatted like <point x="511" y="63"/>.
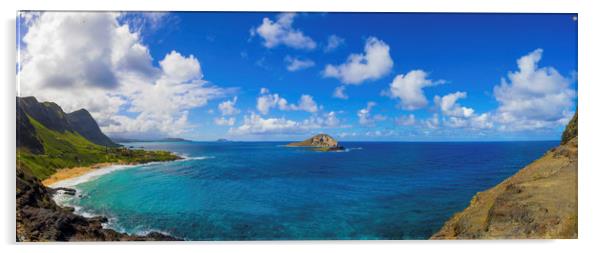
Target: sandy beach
<point x="70" y="173"/>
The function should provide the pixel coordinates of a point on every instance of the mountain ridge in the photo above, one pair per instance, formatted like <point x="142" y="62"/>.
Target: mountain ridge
<point x="54" y="118"/>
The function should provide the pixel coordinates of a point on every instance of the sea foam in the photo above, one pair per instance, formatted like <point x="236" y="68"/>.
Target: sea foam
<point x="96" y="173"/>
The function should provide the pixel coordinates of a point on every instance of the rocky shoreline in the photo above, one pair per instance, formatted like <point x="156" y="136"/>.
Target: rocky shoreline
<point x="39" y="218"/>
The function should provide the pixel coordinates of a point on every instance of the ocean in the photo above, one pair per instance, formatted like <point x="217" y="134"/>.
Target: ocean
<point x="266" y="191"/>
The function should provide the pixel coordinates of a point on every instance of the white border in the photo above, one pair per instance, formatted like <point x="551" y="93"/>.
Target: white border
<point x="589" y="110"/>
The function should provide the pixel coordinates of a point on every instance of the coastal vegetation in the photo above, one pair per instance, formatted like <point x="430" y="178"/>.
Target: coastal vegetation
<point x="49" y="140"/>
<point x="49" y="150"/>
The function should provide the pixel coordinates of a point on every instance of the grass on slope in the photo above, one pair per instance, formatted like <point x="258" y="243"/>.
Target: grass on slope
<point x="69" y="149"/>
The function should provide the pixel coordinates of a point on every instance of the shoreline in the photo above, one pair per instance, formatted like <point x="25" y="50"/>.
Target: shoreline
<point x="68" y="177"/>
<point x="71" y="174"/>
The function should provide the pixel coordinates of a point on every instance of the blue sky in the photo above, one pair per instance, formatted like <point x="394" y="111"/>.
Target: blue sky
<point x="203" y="76"/>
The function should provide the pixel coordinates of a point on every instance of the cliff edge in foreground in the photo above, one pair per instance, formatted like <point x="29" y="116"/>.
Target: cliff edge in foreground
<point x="538" y="202"/>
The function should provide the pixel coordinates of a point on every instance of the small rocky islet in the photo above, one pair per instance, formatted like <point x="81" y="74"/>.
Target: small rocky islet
<point x="319" y="142"/>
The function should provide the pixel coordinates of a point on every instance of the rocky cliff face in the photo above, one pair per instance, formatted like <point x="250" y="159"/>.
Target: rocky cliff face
<point x="26" y="134"/>
<point x="39" y="218"/>
<point x="320" y="140"/>
<point x="82" y="122"/>
<point x="539" y="201"/>
<point x="53" y="117"/>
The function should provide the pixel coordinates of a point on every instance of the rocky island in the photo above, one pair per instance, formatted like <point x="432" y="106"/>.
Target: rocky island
<point x="319" y="142"/>
<point x="538" y="202"/>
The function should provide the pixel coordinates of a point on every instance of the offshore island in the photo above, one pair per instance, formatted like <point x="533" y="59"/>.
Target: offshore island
<point x="319" y="142"/>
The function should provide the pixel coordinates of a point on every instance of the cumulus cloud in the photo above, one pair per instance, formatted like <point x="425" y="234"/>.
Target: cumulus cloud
<point x="327" y="120"/>
<point x="146" y="21"/>
<point x="458" y="116"/>
<point x="306" y="103"/>
<point x="406" y="120"/>
<point x="448" y="106"/>
<point x="534" y="97"/>
<point x="224" y="121"/>
<point x="94" y="61"/>
<point x="293" y="64"/>
<point x="228" y="107"/>
<point x="267" y="101"/>
<point x="373" y="64"/>
<point x="254" y="124"/>
<point x="433" y="122"/>
<point x="281" y="32"/>
<point x="408" y="89"/>
<point x="339" y="92"/>
<point x="365" y="117"/>
<point x="333" y="43"/>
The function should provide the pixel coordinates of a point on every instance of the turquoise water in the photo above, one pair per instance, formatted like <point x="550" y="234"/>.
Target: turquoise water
<point x="264" y="191"/>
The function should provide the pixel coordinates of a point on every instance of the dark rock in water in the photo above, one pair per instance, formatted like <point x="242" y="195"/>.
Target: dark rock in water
<point x="39" y="218"/>
<point x="65" y="190"/>
<point x="100" y="219"/>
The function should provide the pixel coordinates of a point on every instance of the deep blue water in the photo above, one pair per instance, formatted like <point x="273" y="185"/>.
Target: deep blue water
<point x="264" y="191"/>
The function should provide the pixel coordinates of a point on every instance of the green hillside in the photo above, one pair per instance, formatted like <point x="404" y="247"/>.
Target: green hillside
<point x="70" y="149"/>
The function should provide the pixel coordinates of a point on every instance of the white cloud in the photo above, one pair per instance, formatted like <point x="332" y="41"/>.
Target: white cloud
<point x="347" y="134"/>
<point x="408" y="89"/>
<point x="379" y="133"/>
<point x="326" y="120"/>
<point x="339" y="92"/>
<point x="458" y="116"/>
<point x="91" y="60"/>
<point x="365" y="117"/>
<point x="224" y="121"/>
<point x="373" y="64"/>
<point x="306" y="103"/>
<point x="475" y="122"/>
<point x="448" y="106"/>
<point x="433" y="122"/>
<point x="408" y="120"/>
<point x="254" y="124"/>
<point x="281" y="32"/>
<point x="333" y="43"/>
<point x="267" y="101"/>
<point x="294" y="64"/>
<point x="534" y="97"/>
<point x="177" y="68"/>
<point x="146" y="22"/>
<point x="228" y="107"/>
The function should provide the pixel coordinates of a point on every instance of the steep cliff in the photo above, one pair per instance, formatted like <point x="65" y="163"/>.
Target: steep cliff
<point x="539" y="201"/>
<point x="82" y="122"/>
<point x="54" y="118"/>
